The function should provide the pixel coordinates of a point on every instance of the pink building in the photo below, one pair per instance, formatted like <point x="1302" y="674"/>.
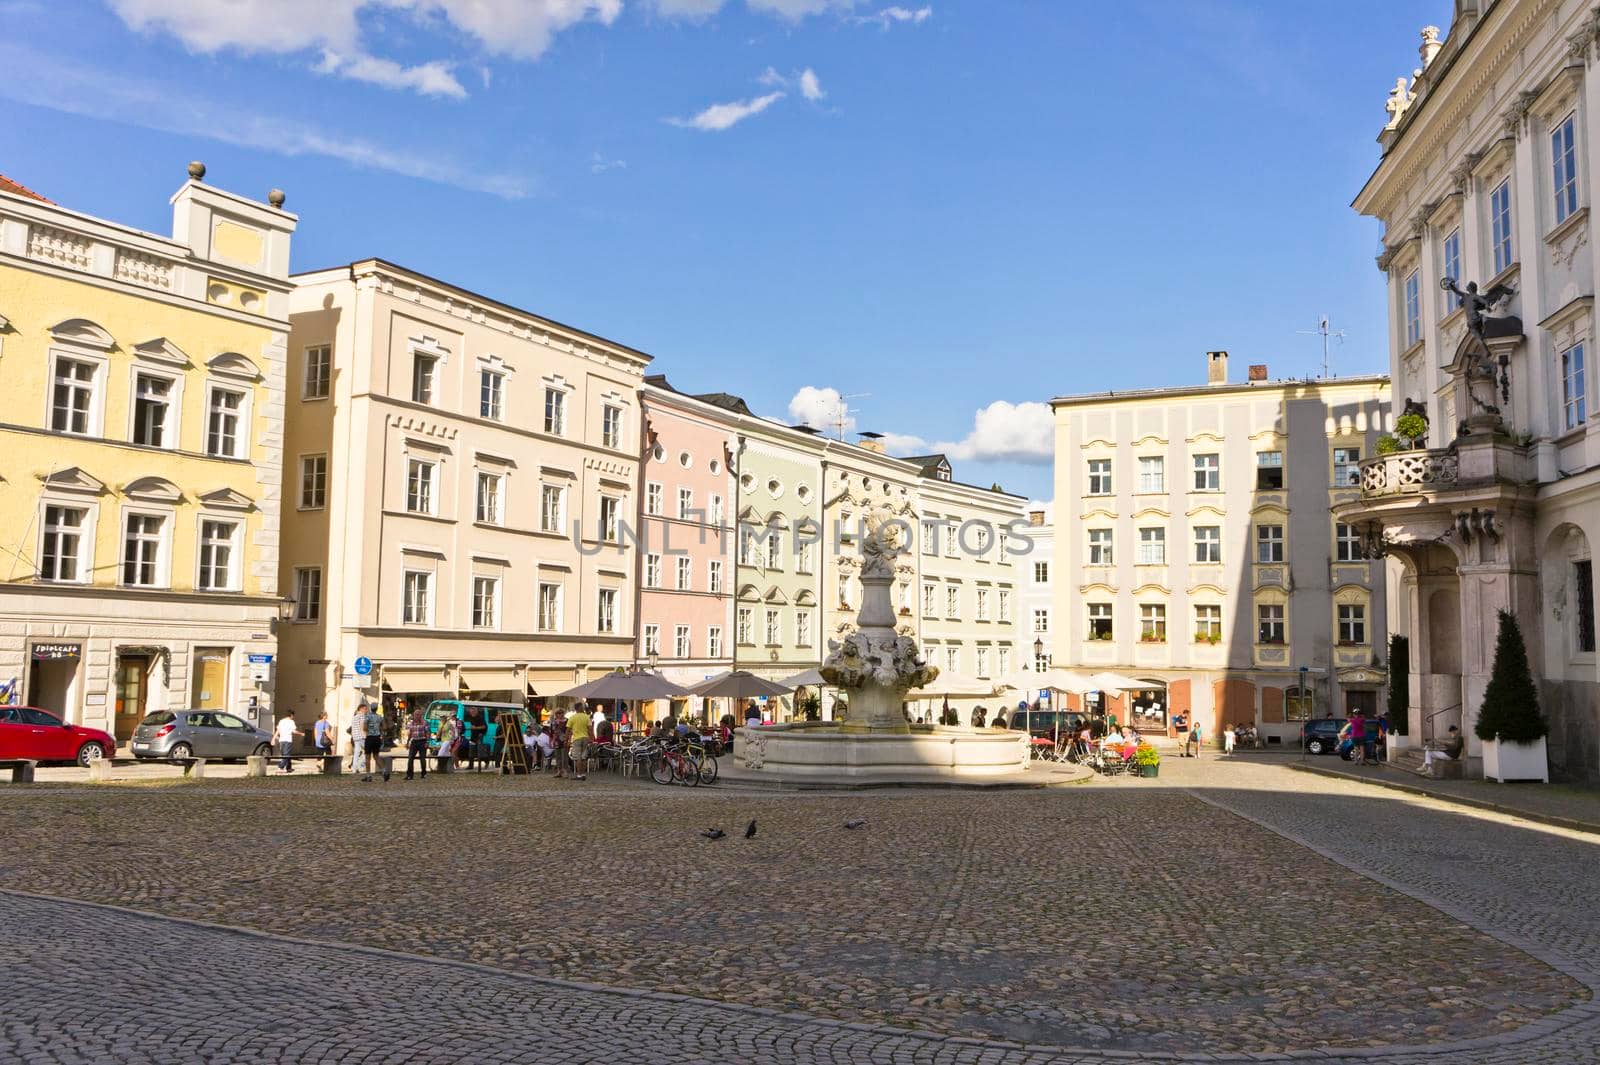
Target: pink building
<point x="686" y="535"/>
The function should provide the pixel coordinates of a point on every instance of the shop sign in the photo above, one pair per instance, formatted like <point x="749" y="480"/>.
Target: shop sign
<point x="43" y="652"/>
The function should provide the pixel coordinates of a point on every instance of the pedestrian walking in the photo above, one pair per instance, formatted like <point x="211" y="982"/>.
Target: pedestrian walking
<point x="417" y="743"/>
<point x="1194" y="739"/>
<point x="1229" y="738"/>
<point x="578" y="739"/>
<point x="448" y="735"/>
<point x="358" y="735"/>
<point x="322" y="734"/>
<point x="372" y="742"/>
<point x="558" y="740"/>
<point x="286" y="734"/>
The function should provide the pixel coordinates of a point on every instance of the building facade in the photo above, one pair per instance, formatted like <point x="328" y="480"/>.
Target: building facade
<point x="1489" y="174"/>
<point x="1196" y="549"/>
<point x="1037" y="596"/>
<point x="462" y="476"/>
<point x="142" y="488"/>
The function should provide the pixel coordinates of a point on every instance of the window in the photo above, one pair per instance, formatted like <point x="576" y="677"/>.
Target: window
<point x="313" y="482"/>
<point x="141" y="550"/>
<point x="952" y="659"/>
<point x="802" y="628"/>
<point x="1041" y="620"/>
<point x="1099" y="621"/>
<point x="774" y="550"/>
<point x="222" y="423"/>
<point x="485" y="603"/>
<point x="844" y="590"/>
<point x="1574" y="400"/>
<point x="1005" y="661"/>
<point x="1005" y="607"/>
<point x="930" y="592"/>
<point x="1269" y="618"/>
<point x="72" y="396"/>
<point x="423" y="370"/>
<point x="983" y="661"/>
<point x="1413" y="295"/>
<point x="1346" y="467"/>
<point x="152" y="410"/>
<point x="652" y="640"/>
<point x="417" y="608"/>
<point x="714" y="641"/>
<point x="606" y="619"/>
<point x="652" y="570"/>
<point x="1564" y="167"/>
<point x="1451" y="254"/>
<point x="1208" y="624"/>
<point x="1500" y="225"/>
<point x="549" y="606"/>
<point x="930" y="538"/>
<point x="1100" y="553"/>
<point x="685" y="503"/>
<point x="61" y="555"/>
<point x="1207" y="473"/>
<point x="952" y="601"/>
<point x="1269" y="471"/>
<point x="491" y="393"/>
<point x="1347" y="544"/>
<point x="1208" y="543"/>
<point x="1041" y="573"/>
<point x="217" y="556"/>
<point x="950" y="539"/>
<point x="552" y="507"/>
<point x="1152" y="547"/>
<point x="803" y="555"/>
<point x="983" y="604"/>
<point x="1298" y="704"/>
<point x="1352" y="623"/>
<point x="555" y="412"/>
<point x="1153" y="623"/>
<point x="680" y="641"/>
<point x="419" y="487"/>
<point x="714" y="510"/>
<point x="1583" y="589"/>
<point x="319" y="373"/>
<point x="489" y="508"/>
<point x="744" y="624"/>
<point x="685" y="580"/>
<point x="714" y="576"/>
<point x="747" y="546"/>
<point x="610" y="426"/>
<point x="1269" y="543"/>
<point x="652" y="499"/>
<point x="308" y="594"/>
<point x="1099" y="477"/>
<point x="608" y="518"/>
<point x="1005" y="548"/>
<point x="1152" y="474"/>
<point x="774" y="627"/>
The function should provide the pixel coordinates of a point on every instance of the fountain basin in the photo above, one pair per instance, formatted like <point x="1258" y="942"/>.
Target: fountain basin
<point x="801" y="750"/>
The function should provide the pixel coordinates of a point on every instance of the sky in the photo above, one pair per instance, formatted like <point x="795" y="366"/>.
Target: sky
<point x="937" y="216"/>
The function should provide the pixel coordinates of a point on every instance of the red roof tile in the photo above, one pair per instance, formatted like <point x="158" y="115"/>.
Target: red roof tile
<point x="7" y="185"/>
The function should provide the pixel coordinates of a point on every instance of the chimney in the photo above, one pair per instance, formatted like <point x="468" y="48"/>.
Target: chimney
<point x="1258" y="371"/>
<point x="1035" y="517"/>
<point x="1216" y="367"/>
<point x="872" y="445"/>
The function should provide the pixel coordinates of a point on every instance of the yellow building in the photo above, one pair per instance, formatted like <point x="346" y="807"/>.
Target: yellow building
<point x="142" y="444"/>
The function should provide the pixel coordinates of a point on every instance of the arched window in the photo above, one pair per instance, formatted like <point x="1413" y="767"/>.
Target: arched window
<point x="1298" y="704"/>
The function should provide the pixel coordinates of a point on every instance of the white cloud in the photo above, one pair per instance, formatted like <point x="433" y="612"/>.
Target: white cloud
<point x="903" y="444"/>
<point x="429" y="79"/>
<point x="600" y="164"/>
<point x="771" y="77"/>
<point x="521" y="29"/>
<point x="1010" y="432"/>
<point x="810" y="87"/>
<point x="886" y="17"/>
<point x="820" y="409"/>
<point x="795" y="10"/>
<point x="719" y="117"/>
<point x="247" y="26"/>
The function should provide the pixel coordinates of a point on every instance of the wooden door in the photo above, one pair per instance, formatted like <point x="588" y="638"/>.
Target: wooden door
<point x="133" y="675"/>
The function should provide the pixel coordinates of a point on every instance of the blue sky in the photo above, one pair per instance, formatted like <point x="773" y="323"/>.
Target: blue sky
<point x="946" y="206"/>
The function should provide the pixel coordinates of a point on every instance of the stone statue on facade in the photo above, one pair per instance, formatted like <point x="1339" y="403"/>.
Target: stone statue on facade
<point x="1481" y="362"/>
<point x="1399" y="99"/>
<point x="1475" y="303"/>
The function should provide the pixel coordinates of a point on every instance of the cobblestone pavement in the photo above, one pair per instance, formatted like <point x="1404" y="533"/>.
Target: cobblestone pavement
<point x="967" y="901"/>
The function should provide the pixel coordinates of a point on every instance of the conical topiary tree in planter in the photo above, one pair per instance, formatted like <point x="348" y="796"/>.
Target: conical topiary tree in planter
<point x="1399" y="684"/>
<point x="1509" y="722"/>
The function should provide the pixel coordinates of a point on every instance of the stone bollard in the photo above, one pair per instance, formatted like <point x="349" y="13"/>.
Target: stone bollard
<point x="256" y="765"/>
<point x="198" y="770"/>
<point x="100" y="770"/>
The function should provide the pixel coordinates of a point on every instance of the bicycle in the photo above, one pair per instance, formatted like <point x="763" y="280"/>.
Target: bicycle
<point x="673" y="766"/>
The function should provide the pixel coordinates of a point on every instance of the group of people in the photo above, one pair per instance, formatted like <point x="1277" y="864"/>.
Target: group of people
<point x="1362" y="737"/>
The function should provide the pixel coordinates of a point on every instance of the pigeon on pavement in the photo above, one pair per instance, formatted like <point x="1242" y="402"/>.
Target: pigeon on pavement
<point x="713" y="833"/>
<point x="857" y="823"/>
<point x="750" y="830"/>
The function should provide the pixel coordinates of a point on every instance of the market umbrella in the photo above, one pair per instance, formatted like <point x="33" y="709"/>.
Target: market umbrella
<point x="1108" y="681"/>
<point x="1056" y="680"/>
<point x="630" y="686"/>
<point x="739" y="684"/>
<point x="806" y="678"/>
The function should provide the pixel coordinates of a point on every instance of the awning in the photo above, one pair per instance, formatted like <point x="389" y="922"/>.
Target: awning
<point x="409" y="680"/>
<point x="491" y="679"/>
<point x="548" y="681"/>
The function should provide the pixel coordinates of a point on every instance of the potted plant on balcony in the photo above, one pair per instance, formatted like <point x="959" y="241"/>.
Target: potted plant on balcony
<point x="1212" y="638"/>
<point x="1387" y="444"/>
<point x="1148" y="760"/>
<point x="1411" y="427"/>
<point x="1509" y="722"/>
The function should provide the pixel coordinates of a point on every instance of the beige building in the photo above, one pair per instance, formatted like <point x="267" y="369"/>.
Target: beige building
<point x="1195" y="549"/>
<point x="462" y="480"/>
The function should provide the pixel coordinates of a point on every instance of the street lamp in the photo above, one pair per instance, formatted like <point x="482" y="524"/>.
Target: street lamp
<point x="1038" y="650"/>
<point x="653" y="659"/>
<point x="286" y="608"/>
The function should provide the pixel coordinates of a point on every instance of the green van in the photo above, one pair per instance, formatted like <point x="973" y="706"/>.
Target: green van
<point x="501" y="719"/>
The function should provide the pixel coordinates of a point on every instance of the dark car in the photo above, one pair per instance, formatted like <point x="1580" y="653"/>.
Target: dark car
<point x="1045" y="723"/>
<point x="1321" y="735"/>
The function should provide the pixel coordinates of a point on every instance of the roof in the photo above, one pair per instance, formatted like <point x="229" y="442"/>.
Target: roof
<point x="929" y="464"/>
<point x="1281" y="384"/>
<point x="7" y="185"/>
<point x="727" y="401"/>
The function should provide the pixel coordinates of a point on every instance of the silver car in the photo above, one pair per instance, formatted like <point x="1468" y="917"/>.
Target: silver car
<point x="198" y="734"/>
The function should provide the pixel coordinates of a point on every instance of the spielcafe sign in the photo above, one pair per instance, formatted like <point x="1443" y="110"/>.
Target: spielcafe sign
<point x="44" y="652"/>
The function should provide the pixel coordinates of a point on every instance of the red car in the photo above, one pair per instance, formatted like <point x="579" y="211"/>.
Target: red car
<point x="28" y="732"/>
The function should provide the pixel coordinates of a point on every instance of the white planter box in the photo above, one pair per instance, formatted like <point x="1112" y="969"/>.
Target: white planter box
<point x="1398" y="742"/>
<point x="1516" y="761"/>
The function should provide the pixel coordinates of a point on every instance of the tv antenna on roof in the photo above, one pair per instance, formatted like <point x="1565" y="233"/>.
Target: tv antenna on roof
<point x="1325" y="333"/>
<point x="841" y="413"/>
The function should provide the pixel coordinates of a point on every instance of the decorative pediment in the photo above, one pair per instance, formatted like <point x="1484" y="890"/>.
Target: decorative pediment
<point x="1099" y="512"/>
<point x="83" y="332"/>
<point x="227" y="499"/>
<point x="1206" y="589"/>
<point x="153" y="490"/>
<point x="805" y="597"/>
<point x="1273" y="507"/>
<point x="1205" y="511"/>
<point x="749" y="593"/>
<point x="1151" y="512"/>
<point x="775" y="595"/>
<point x="232" y="364"/>
<point x="1098" y="443"/>
<point x="160" y="349"/>
<point x="72" y="479"/>
<point x="1152" y="589"/>
<point x="1204" y="436"/>
<point x="1360" y="675"/>
<point x="1150" y="440"/>
<point x="1102" y="589"/>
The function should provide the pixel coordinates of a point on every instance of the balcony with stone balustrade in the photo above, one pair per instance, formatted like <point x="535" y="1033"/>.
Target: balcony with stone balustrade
<point x="1408" y="473"/>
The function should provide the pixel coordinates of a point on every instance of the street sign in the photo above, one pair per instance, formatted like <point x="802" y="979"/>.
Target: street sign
<point x="364" y="665"/>
<point x="260" y="666"/>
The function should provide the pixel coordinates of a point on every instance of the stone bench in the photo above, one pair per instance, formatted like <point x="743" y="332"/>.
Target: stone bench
<point x="331" y="764"/>
<point x="21" y="769"/>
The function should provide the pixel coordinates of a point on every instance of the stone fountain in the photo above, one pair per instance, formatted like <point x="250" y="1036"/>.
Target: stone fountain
<point x="877" y="665"/>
